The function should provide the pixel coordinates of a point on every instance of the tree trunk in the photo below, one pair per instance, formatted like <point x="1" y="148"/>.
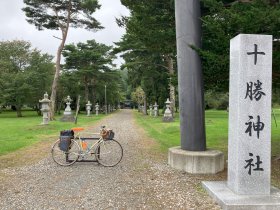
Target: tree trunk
<point x="37" y="108"/>
<point x="64" y="31"/>
<point x="59" y="107"/>
<point x="77" y="109"/>
<point x="18" y="108"/>
<point x="172" y="96"/>
<point x="145" y="105"/>
<point x="86" y="90"/>
<point x="93" y="92"/>
<point x="56" y="77"/>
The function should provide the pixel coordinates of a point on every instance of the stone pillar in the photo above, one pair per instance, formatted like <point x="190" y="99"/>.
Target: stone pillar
<point x="249" y="146"/>
<point x="45" y="108"/>
<point x="96" y="109"/>
<point x="188" y="27"/>
<point x="88" y="108"/>
<point x="192" y="155"/>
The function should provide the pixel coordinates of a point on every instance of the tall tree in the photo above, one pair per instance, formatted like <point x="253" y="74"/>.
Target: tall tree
<point x="24" y="74"/>
<point x="39" y="74"/>
<point x="89" y="60"/>
<point x="60" y="15"/>
<point x="150" y="30"/>
<point x="223" y="20"/>
<point x="91" y="65"/>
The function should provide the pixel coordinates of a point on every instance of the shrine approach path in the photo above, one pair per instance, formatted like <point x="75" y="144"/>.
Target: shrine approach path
<point x="142" y="180"/>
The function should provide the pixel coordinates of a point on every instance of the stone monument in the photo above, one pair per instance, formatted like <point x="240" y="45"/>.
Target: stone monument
<point x="155" y="110"/>
<point x="45" y="109"/>
<point x="67" y="115"/>
<point x="249" y="144"/>
<point x="88" y="108"/>
<point x="96" y="109"/>
<point x="151" y="109"/>
<point x="192" y="156"/>
<point x="167" y="117"/>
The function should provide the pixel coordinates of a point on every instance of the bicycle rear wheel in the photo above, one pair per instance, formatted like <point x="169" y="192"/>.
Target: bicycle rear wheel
<point x="109" y="153"/>
<point x="65" y="158"/>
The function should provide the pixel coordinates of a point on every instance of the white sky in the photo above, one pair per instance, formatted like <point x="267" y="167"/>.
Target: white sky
<point x="14" y="26"/>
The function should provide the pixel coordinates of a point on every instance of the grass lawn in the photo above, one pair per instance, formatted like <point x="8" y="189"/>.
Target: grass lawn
<point x="17" y="133"/>
<point x="168" y="134"/>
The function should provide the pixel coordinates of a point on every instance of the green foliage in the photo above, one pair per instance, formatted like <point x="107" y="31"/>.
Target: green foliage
<point x="276" y="98"/>
<point x="221" y="22"/>
<point x="148" y="42"/>
<point x="87" y="70"/>
<point x="150" y="36"/>
<point x="57" y="14"/>
<point x="25" y="74"/>
<point x="60" y="15"/>
<point x="138" y="95"/>
<point x="216" y="100"/>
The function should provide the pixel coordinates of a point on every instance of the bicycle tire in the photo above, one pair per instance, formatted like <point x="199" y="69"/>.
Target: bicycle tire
<point x="109" y="153"/>
<point x="65" y="158"/>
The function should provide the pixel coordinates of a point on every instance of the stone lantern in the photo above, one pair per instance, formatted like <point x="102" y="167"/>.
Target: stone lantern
<point x="167" y="117"/>
<point x="155" y="110"/>
<point x="67" y="115"/>
<point x="96" y="109"/>
<point x="45" y="108"/>
<point x="68" y="110"/>
<point x="88" y="108"/>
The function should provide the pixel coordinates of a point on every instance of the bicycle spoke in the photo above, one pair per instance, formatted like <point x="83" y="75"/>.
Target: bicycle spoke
<point x="109" y="153"/>
<point x="65" y="158"/>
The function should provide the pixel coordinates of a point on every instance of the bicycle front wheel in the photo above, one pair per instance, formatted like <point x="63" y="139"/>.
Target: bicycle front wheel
<point x="65" y="158"/>
<point x="109" y="153"/>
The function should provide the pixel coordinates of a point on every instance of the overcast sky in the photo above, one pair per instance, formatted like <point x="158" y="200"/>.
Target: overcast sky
<point x="14" y="26"/>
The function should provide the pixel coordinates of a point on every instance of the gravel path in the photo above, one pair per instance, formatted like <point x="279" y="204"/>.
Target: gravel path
<point x="143" y="180"/>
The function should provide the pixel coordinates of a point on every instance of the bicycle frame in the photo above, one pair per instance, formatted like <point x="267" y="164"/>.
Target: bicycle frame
<point x="83" y="152"/>
<point x="81" y="139"/>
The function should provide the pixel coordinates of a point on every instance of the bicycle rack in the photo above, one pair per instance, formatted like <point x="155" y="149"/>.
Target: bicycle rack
<point x="84" y="160"/>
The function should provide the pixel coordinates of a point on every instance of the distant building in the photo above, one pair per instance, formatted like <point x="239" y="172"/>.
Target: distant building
<point x="127" y="104"/>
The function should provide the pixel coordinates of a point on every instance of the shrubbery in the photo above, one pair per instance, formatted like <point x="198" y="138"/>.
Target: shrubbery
<point x="216" y="100"/>
<point x="219" y="100"/>
<point x="276" y="99"/>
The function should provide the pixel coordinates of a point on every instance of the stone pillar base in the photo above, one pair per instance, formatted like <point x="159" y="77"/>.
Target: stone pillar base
<point x="230" y="201"/>
<point x="201" y="162"/>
